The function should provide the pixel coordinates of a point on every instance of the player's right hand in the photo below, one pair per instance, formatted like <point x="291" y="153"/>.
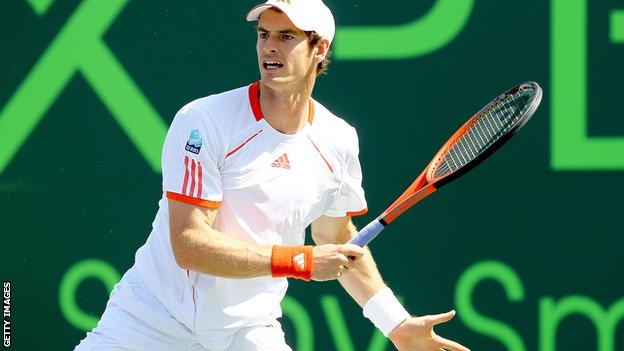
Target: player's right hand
<point x="331" y="260"/>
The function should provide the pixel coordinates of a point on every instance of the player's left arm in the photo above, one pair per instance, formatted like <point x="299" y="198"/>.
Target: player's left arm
<point x="364" y="280"/>
<point x="365" y="284"/>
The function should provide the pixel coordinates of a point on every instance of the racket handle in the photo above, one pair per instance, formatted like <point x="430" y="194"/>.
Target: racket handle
<point x="368" y="233"/>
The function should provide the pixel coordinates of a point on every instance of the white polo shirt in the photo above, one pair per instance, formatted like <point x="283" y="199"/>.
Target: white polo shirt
<point x="268" y="187"/>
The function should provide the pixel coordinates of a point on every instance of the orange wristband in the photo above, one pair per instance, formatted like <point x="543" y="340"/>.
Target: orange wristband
<point x="292" y="261"/>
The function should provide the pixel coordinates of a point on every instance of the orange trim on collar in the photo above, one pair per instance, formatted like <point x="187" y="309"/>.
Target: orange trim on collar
<point x="254" y="100"/>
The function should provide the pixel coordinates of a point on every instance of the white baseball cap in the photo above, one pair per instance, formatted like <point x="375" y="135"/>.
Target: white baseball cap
<point x="307" y="15"/>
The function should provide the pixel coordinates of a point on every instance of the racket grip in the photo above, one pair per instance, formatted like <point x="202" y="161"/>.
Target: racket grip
<point x="367" y="234"/>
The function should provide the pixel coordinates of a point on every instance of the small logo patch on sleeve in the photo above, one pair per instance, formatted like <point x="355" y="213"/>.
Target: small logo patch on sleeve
<point x="194" y="142"/>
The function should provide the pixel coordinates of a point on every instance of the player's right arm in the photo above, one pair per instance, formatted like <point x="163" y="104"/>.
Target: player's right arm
<point x="193" y="154"/>
<point x="199" y="247"/>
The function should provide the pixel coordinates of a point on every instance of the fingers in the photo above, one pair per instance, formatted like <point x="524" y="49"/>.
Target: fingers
<point x="351" y="254"/>
<point x="344" y="268"/>
<point x="441" y="342"/>
<point x="442" y="317"/>
<point x="348" y="263"/>
<point x="446" y="344"/>
<point x="331" y="261"/>
<point x="352" y="251"/>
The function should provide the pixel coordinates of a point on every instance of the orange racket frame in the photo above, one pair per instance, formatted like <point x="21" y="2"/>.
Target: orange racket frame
<point x="426" y="183"/>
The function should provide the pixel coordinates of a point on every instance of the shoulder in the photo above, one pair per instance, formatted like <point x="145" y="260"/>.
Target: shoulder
<point x="222" y="104"/>
<point x="334" y="129"/>
<point x="223" y="113"/>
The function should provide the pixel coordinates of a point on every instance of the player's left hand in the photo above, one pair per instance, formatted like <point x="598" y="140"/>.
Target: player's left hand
<point x="416" y="334"/>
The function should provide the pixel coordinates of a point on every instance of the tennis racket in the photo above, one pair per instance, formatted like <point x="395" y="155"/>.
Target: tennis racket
<point x="477" y="139"/>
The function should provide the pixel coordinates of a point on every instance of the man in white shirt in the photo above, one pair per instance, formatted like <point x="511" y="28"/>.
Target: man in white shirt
<point x="244" y="173"/>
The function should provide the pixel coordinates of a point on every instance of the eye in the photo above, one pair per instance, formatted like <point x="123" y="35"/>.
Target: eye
<point x="286" y="37"/>
<point x="263" y="35"/>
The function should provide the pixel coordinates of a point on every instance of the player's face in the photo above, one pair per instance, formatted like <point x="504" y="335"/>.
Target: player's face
<point x="284" y="56"/>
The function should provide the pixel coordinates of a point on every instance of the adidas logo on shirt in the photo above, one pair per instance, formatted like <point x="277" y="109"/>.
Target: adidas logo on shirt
<point x="281" y="162"/>
<point x="299" y="260"/>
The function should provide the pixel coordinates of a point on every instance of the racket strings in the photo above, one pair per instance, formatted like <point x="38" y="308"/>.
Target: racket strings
<point x="487" y="128"/>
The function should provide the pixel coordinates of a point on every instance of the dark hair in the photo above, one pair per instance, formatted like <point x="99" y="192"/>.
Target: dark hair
<point x="313" y="39"/>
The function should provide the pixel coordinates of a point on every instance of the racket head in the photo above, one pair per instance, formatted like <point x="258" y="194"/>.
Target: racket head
<point x="484" y="133"/>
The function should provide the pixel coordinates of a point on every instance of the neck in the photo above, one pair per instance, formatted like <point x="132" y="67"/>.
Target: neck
<point x="287" y="110"/>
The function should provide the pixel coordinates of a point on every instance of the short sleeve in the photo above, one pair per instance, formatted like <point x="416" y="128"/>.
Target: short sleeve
<point x="190" y="160"/>
<point x="350" y="200"/>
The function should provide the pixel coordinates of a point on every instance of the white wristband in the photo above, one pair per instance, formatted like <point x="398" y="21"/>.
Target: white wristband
<point x="385" y="311"/>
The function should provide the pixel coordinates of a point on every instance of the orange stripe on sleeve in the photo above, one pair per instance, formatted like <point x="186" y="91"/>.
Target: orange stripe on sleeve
<point x="193" y="200"/>
<point x="357" y="213"/>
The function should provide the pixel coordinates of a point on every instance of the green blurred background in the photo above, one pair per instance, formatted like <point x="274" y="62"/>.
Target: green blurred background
<point x="527" y="248"/>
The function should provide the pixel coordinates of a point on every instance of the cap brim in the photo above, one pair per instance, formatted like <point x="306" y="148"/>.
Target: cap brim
<point x="255" y="13"/>
<point x="257" y="10"/>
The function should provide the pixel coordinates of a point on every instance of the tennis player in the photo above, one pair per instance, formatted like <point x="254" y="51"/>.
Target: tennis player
<point x="244" y="173"/>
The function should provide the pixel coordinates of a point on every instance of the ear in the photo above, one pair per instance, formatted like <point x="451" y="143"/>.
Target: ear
<point x="322" y="47"/>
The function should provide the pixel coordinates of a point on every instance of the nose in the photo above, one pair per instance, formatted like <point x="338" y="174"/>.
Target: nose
<point x="270" y="45"/>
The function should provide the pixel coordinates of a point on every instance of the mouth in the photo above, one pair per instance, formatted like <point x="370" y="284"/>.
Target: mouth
<point x="272" y="65"/>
